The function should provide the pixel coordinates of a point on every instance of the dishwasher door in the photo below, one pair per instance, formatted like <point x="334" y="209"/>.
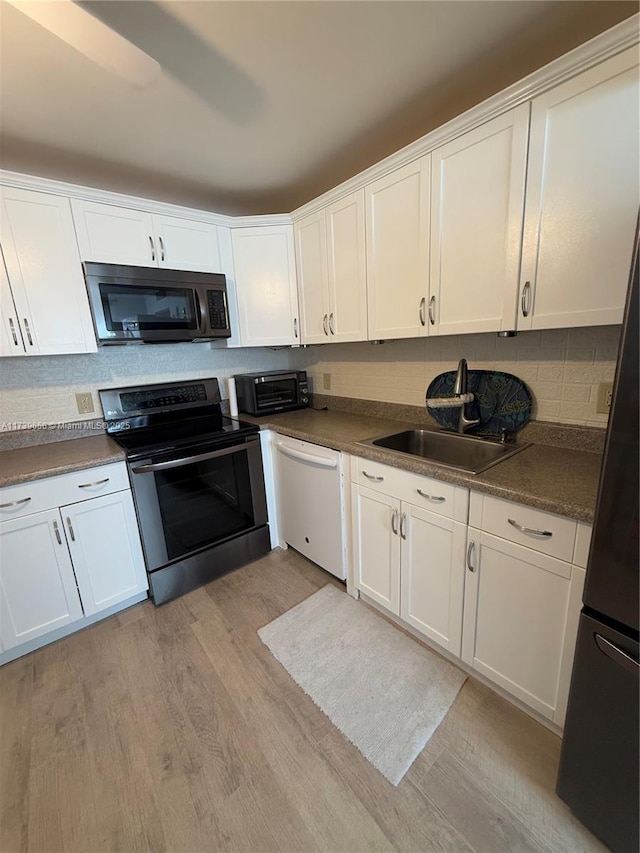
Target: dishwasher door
<point x="310" y="487"/>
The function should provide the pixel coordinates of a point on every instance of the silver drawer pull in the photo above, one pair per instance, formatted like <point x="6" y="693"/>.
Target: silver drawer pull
<point x="436" y="499"/>
<point x="372" y="477"/>
<point x="15" y="503"/>
<point x="547" y="534"/>
<point x="97" y="483"/>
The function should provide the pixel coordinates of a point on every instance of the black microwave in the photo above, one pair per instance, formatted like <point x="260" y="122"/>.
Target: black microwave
<point x="275" y="391"/>
<point x="152" y="305"/>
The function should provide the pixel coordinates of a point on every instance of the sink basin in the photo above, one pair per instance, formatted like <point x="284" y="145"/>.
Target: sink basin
<point x="464" y="452"/>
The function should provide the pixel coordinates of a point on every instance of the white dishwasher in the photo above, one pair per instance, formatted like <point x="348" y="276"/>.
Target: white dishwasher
<point x="310" y="483"/>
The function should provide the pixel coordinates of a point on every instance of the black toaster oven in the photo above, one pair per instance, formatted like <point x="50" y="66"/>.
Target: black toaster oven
<point x="274" y="391"/>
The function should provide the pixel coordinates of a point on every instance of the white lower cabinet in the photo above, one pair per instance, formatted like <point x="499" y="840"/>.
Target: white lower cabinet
<point x="523" y="595"/>
<point x="432" y="562"/>
<point x="38" y="591"/>
<point x="105" y="548"/>
<point x="410" y="559"/>
<point x="62" y="562"/>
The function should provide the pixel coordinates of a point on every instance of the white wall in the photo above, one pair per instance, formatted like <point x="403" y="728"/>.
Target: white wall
<point x="562" y="367"/>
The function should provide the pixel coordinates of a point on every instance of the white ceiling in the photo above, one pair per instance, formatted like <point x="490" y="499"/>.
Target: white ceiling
<point x="262" y="105"/>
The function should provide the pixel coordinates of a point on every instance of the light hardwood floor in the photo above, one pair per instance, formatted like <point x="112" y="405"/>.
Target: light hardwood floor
<point x="173" y="729"/>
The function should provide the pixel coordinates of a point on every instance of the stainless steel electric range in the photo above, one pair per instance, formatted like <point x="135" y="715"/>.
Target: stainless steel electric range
<point x="197" y="482"/>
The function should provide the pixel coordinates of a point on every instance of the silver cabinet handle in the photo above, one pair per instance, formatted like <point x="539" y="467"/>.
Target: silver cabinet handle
<point x="161" y="241"/>
<point x="295" y="327"/>
<point x="394" y="521"/>
<point x="436" y="499"/>
<point x="423" y="303"/>
<point x="96" y="483"/>
<point x="13" y="331"/>
<point x="525" y="302"/>
<point x="70" y="526"/>
<point x="324" y="325"/>
<point x="153" y="248"/>
<point x="432" y="305"/>
<point x="546" y="534"/>
<point x="15" y="503"/>
<point x="57" y="532"/>
<point x="618" y="655"/>
<point x="403" y="525"/>
<point x="471" y="552"/>
<point x="331" y="329"/>
<point x="373" y="477"/>
<point x="26" y="325"/>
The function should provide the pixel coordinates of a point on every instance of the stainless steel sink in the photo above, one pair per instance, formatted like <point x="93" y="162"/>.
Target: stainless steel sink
<point x="464" y="452"/>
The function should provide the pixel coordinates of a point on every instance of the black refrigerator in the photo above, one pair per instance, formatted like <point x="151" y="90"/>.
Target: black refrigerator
<point x="598" y="776"/>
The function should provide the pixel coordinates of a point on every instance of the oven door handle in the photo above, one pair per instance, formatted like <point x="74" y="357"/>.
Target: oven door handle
<point x="187" y="460"/>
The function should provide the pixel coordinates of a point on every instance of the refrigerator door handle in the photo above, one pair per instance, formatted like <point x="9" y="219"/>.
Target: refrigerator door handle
<point x="617" y="655"/>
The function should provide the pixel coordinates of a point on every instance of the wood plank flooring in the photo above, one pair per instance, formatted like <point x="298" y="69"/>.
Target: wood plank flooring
<point x="174" y="729"/>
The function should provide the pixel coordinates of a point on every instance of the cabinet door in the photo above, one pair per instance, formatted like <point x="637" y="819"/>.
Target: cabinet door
<point x="376" y="520"/>
<point x="311" y="265"/>
<point x="184" y="244"/>
<point x="347" y="269"/>
<point x="582" y="198"/>
<point x="10" y="335"/>
<point x="105" y="548"/>
<point x="397" y="224"/>
<point x="38" y="591"/>
<point x="43" y="264"/>
<point x="477" y="208"/>
<point x="517" y="606"/>
<point x="432" y="584"/>
<point x="114" y="235"/>
<point x="264" y="262"/>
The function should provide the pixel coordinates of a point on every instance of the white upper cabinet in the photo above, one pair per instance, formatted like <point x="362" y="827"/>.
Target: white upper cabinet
<point x="477" y="206"/>
<point x="184" y="244"/>
<point x="397" y="229"/>
<point x="120" y="235"/>
<point x="347" y="269"/>
<point x="331" y="264"/>
<point x="313" y="286"/>
<point x="10" y="335"/>
<point x="45" y="273"/>
<point x="582" y="198"/>
<point x="265" y="276"/>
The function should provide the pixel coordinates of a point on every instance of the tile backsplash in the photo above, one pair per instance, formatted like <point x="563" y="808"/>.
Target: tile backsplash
<point x="41" y="389"/>
<point x="562" y="367"/>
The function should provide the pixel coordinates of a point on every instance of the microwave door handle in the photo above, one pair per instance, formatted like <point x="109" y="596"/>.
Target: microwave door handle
<point x="201" y="309"/>
<point x="187" y="460"/>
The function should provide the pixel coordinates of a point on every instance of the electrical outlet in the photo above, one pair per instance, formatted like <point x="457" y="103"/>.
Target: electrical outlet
<point x="326" y="382"/>
<point x="84" y="402"/>
<point x="605" y="393"/>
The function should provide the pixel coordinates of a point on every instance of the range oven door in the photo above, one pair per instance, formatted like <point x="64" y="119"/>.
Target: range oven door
<point x="190" y="503"/>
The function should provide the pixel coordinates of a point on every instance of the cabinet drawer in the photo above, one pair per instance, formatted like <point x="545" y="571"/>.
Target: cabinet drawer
<point x="52" y="492"/>
<point x="425" y="492"/>
<point x="541" y="531"/>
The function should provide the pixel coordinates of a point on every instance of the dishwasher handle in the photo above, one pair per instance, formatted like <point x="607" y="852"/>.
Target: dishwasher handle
<point x="320" y="461"/>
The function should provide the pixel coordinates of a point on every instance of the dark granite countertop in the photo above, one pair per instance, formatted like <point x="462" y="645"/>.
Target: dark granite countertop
<point x="555" y="479"/>
<point x="25" y="464"/>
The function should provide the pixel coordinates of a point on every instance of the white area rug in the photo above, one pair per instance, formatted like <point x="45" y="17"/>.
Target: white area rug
<point x="386" y="693"/>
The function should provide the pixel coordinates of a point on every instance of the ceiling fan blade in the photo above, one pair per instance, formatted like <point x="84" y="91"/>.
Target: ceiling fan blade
<point x="95" y="40"/>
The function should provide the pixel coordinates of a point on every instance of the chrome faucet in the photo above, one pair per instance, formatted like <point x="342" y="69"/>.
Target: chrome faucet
<point x="460" y="390"/>
<point x="459" y="399"/>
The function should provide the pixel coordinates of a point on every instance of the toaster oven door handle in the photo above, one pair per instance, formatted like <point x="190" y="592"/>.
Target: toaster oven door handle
<point x="307" y="457"/>
<point x="187" y="460"/>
